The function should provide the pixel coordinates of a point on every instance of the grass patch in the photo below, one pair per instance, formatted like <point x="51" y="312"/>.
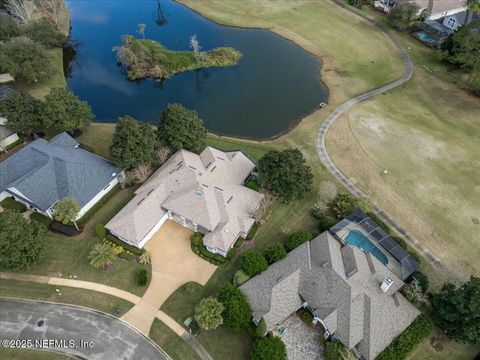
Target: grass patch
<point x="88" y="298"/>
<point x="89" y="214"/>
<point x="225" y="343"/>
<point x="11" y="204"/>
<point x="171" y="342"/>
<point x="29" y="354"/>
<point x="147" y="58"/>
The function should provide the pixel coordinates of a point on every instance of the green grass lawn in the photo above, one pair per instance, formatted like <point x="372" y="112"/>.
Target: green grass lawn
<point x="82" y="297"/>
<point x="171" y="342"/>
<point x="28" y="354"/>
<point x="225" y="343"/>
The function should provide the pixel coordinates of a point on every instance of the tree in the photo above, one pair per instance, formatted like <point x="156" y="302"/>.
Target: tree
<point x="141" y="172"/>
<point x="413" y="292"/>
<point x="102" y="256"/>
<point x="141" y="29"/>
<point x="285" y="173"/>
<point x="253" y="263"/>
<point x="275" y="253"/>
<point x="208" y="313"/>
<point x="268" y="348"/>
<point x="66" y="210"/>
<point x="462" y="48"/>
<point x="21" y="112"/>
<point x="181" y="128"/>
<point x="240" y="277"/>
<point x="162" y="154"/>
<point x="296" y="239"/>
<point x="261" y="328"/>
<point x="237" y="313"/>
<point x="404" y="16"/>
<point x="344" y="204"/>
<point x="457" y="311"/>
<point x="45" y="33"/>
<point x="54" y="9"/>
<point x="474" y="5"/>
<point x="133" y="143"/>
<point x="22" y="242"/>
<point x="62" y="110"/>
<point x="8" y="28"/>
<point x="21" y="9"/>
<point x="25" y="59"/>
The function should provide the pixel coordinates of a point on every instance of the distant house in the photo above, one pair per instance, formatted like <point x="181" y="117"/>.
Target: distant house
<point x="7" y="137"/>
<point x="350" y="293"/>
<point x="429" y="9"/>
<point x="43" y="172"/>
<point x="202" y="192"/>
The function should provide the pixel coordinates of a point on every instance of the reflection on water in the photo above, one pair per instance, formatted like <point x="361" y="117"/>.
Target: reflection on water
<point x="274" y="85"/>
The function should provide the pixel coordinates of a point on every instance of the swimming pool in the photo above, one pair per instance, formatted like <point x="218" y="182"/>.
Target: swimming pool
<point x="356" y="238"/>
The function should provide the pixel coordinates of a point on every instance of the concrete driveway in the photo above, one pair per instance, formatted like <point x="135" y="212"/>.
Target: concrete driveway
<point x="173" y="264"/>
<point x="103" y="336"/>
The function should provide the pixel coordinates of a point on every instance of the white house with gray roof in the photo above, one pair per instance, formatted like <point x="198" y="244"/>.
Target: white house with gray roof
<point x="352" y="294"/>
<point x="203" y="192"/>
<point x="43" y="172"/>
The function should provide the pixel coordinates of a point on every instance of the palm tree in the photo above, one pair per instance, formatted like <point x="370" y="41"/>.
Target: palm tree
<point x="101" y="256"/>
<point x="66" y="210"/>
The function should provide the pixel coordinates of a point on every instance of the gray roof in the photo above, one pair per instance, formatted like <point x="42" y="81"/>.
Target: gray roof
<point x="341" y="287"/>
<point x="4" y="131"/>
<point x="46" y="171"/>
<point x="206" y="189"/>
<point x="4" y="91"/>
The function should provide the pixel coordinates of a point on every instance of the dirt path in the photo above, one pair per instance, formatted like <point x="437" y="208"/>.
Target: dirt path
<point x="332" y="168"/>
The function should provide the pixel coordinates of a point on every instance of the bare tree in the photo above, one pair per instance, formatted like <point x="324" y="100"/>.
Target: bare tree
<point x="21" y="9"/>
<point x="162" y="154"/>
<point x="141" y="29"/>
<point x="142" y="172"/>
<point x="53" y="9"/>
<point x="197" y="49"/>
<point x="413" y="292"/>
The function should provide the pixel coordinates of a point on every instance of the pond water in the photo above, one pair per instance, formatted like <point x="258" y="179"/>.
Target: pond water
<point x="274" y="85"/>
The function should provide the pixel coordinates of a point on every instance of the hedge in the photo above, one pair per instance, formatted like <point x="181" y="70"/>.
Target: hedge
<point x="12" y="204"/>
<point x="142" y="277"/>
<point x="404" y="344"/>
<point x="42" y="219"/>
<point x="123" y="244"/>
<point x="88" y="215"/>
<point x="196" y="243"/>
<point x="253" y="231"/>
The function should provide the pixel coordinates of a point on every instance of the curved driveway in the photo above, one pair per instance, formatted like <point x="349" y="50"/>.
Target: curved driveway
<point x="109" y="337"/>
<point x="330" y="165"/>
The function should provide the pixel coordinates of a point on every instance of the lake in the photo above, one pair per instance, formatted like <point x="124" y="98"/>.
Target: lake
<point x="275" y="84"/>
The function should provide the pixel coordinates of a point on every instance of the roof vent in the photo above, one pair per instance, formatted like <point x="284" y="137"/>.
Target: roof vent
<point x="114" y="174"/>
<point x="226" y="230"/>
<point x="199" y="191"/>
<point x="386" y="284"/>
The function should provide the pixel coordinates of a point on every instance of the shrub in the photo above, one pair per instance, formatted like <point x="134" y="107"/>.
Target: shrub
<point x="100" y="231"/>
<point x="208" y="313"/>
<point x="406" y="341"/>
<point x="253" y="263"/>
<point x="261" y="328"/>
<point x="296" y="239"/>
<point x="8" y="28"/>
<point x="253" y="231"/>
<point x="240" y="278"/>
<point x="142" y="277"/>
<point x="237" y="313"/>
<point x="268" y="348"/>
<point x="325" y="222"/>
<point x="306" y="317"/>
<point x="320" y="208"/>
<point x="44" y="33"/>
<point x="145" y="258"/>
<point x="334" y="350"/>
<point x="191" y="287"/>
<point x="123" y="244"/>
<point x="275" y="253"/>
<point x="42" y="219"/>
<point x="196" y="244"/>
<point x="422" y="280"/>
<point x="14" y="205"/>
<point x="344" y="204"/>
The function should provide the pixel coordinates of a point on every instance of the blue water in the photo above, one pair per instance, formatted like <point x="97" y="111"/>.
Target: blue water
<point x="356" y="238"/>
<point x="427" y="38"/>
<point x="275" y="84"/>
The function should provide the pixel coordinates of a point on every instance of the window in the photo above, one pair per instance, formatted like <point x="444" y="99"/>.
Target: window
<point x="451" y="23"/>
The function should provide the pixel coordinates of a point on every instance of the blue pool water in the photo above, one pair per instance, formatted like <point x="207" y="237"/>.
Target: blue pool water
<point x="356" y="238"/>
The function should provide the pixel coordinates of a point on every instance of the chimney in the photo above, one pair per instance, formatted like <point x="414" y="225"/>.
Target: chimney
<point x="386" y="285"/>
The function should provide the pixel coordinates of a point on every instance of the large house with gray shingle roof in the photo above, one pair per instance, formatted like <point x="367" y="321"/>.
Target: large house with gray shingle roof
<point x="203" y="192"/>
<point x="43" y="172"/>
<point x="351" y="294"/>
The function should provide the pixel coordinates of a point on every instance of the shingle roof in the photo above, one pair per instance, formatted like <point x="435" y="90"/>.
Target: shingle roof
<point x="205" y="189"/>
<point x="46" y="171"/>
<point x="351" y="305"/>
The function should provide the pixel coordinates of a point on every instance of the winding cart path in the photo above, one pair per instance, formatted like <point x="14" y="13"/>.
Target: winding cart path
<point x="343" y="108"/>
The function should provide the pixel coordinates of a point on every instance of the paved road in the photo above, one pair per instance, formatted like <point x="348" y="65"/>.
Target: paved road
<point x="111" y="338"/>
<point x="330" y="165"/>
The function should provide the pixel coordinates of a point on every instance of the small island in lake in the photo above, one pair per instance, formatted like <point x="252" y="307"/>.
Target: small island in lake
<point x="144" y="58"/>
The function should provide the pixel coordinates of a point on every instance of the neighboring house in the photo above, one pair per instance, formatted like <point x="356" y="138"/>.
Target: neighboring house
<point x="6" y="78"/>
<point x="430" y="9"/>
<point x="203" y="192"/>
<point x="351" y="294"/>
<point x="43" y="172"/>
<point x="7" y="137"/>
